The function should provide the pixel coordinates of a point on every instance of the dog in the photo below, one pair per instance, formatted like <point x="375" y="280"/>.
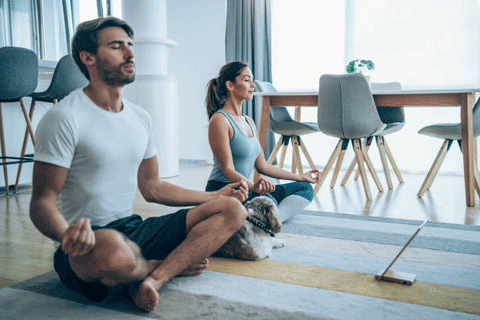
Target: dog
<point x="255" y="239"/>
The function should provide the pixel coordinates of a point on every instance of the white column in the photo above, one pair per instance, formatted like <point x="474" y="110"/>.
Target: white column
<point x="153" y="89"/>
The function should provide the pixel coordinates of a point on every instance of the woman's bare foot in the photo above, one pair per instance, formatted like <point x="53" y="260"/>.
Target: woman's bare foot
<point x="145" y="296"/>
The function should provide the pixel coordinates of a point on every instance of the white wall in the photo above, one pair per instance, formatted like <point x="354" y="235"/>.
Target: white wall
<point x="199" y="29"/>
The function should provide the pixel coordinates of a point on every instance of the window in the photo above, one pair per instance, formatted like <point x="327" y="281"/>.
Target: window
<point x="47" y="26"/>
<point x="418" y="43"/>
<point x="17" y="27"/>
<point x="36" y="25"/>
<point x="89" y="9"/>
<point x="307" y="36"/>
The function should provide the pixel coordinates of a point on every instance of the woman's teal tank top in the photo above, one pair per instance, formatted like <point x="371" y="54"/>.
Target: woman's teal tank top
<point x="245" y="151"/>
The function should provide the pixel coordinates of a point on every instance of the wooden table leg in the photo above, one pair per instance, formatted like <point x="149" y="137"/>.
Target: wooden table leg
<point x="263" y="126"/>
<point x="467" y="102"/>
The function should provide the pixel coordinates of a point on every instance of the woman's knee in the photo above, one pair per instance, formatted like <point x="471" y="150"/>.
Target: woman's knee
<point x="299" y="188"/>
<point x="307" y="190"/>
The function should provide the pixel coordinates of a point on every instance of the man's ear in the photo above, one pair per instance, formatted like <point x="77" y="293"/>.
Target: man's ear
<point x="87" y="58"/>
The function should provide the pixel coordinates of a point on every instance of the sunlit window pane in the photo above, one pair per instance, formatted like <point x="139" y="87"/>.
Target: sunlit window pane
<point x="420" y="42"/>
<point x="54" y="39"/>
<point x="417" y="43"/>
<point x="21" y="24"/>
<point x="307" y="41"/>
<point x="88" y="9"/>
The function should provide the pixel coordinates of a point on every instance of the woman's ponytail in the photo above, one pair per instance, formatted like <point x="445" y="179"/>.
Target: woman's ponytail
<point x="214" y="99"/>
<point x="217" y="92"/>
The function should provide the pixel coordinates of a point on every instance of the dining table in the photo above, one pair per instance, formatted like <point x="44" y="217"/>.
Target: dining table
<point x="462" y="97"/>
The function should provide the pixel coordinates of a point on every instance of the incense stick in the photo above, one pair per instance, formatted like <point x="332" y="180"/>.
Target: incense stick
<point x="404" y="247"/>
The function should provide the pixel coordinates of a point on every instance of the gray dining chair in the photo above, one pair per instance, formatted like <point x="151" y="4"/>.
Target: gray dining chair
<point x="394" y="118"/>
<point x="66" y="78"/>
<point x="18" y="79"/>
<point x="346" y="110"/>
<point x="449" y="132"/>
<point x="290" y="130"/>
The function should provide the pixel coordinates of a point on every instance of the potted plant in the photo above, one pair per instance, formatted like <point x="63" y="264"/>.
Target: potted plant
<point x="360" y="66"/>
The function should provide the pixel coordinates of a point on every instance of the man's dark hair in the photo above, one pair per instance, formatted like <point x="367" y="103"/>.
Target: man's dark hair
<point x="86" y="37"/>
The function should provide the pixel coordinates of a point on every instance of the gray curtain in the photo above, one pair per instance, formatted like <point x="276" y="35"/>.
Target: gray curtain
<point x="248" y="39"/>
<point x="68" y="18"/>
<point x="100" y="9"/>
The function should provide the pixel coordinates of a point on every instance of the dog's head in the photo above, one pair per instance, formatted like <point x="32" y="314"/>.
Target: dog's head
<point x="265" y="210"/>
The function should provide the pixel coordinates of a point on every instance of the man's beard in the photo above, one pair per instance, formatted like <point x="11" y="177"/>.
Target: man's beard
<point x="113" y="75"/>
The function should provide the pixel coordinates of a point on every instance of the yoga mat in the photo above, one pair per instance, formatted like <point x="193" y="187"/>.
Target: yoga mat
<point x="421" y="293"/>
<point x="326" y="271"/>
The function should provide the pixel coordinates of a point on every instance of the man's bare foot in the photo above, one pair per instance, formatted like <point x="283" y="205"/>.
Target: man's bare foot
<point x="193" y="270"/>
<point x="196" y="269"/>
<point x="144" y="295"/>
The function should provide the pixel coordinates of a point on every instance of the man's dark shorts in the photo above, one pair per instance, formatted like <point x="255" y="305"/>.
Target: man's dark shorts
<point x="156" y="237"/>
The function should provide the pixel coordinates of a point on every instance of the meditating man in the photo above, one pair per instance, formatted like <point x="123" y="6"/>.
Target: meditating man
<point x="92" y="151"/>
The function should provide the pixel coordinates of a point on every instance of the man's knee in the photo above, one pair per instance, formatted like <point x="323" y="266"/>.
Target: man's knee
<point x="116" y="250"/>
<point x="235" y="211"/>
<point x="113" y="253"/>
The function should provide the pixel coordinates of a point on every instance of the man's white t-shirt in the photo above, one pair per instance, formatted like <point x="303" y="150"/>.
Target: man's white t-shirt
<point x="101" y="149"/>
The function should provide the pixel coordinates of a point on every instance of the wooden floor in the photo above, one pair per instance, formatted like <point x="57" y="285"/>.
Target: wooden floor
<point x="25" y="253"/>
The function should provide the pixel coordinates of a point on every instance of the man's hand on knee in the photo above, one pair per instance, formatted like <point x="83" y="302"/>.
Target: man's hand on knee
<point x="78" y="239"/>
<point x="238" y="190"/>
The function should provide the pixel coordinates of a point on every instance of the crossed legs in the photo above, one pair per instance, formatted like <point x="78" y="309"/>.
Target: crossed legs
<point x="117" y="260"/>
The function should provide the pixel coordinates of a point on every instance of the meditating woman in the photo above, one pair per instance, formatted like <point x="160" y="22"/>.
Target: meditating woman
<point x="234" y="142"/>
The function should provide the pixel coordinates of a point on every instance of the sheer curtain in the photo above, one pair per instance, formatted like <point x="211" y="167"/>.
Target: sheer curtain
<point x="37" y="25"/>
<point x="248" y="39"/>
<point x="418" y="43"/>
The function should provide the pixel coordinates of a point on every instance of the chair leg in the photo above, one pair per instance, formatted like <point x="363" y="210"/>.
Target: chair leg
<point x="27" y="120"/>
<point x="383" y="157"/>
<point x="328" y="166"/>
<point x="372" y="171"/>
<point x="349" y="172"/>
<point x="275" y="151"/>
<point x="284" y="152"/>
<point x="392" y="161"/>
<point x="306" y="154"/>
<point x="427" y="183"/>
<point x="4" y="152"/>
<point x="476" y="173"/>
<point x="437" y="168"/>
<point x="366" y="143"/>
<point x="296" y="155"/>
<point x="294" y="162"/>
<point x="24" y="146"/>
<point x="339" y="163"/>
<point x="477" y="180"/>
<point x="359" y="156"/>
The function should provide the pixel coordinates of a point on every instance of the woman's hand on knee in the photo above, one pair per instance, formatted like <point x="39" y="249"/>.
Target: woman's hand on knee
<point x="262" y="186"/>
<point x="312" y="176"/>
<point x="79" y="238"/>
